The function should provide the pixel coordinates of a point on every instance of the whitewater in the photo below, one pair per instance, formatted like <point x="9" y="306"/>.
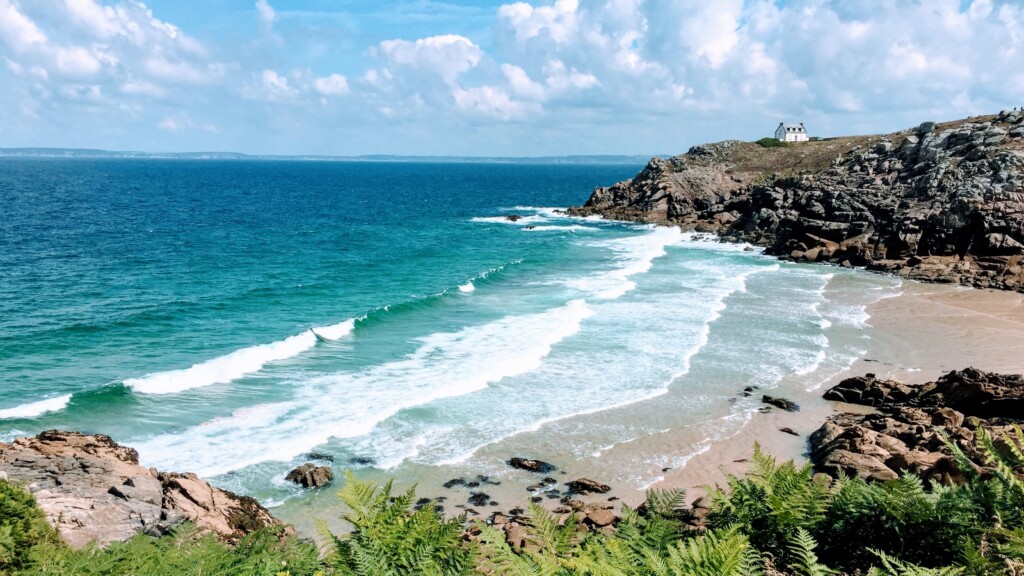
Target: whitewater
<point x="396" y="319"/>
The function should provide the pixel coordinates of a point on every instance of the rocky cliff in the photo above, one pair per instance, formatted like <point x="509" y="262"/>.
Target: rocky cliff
<point x="94" y="490"/>
<point x="940" y="202"/>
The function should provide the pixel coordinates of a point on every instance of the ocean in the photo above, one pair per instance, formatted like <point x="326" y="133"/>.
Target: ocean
<point x="237" y="318"/>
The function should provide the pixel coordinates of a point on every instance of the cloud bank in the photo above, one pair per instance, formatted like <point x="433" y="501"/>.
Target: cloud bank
<point x="520" y="78"/>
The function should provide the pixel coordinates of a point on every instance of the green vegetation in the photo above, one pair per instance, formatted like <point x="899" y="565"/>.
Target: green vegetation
<point x="778" y="520"/>
<point x="772" y="143"/>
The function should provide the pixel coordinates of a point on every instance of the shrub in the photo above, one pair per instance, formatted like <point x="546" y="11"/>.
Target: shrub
<point x="772" y="143"/>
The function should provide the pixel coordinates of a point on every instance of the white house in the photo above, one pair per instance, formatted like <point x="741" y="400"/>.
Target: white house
<point x="791" y="132"/>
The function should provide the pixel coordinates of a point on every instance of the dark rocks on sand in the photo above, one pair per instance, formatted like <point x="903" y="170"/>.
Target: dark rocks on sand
<point x="908" y="434"/>
<point x="787" y="405"/>
<point x="310" y="475"/>
<point x="587" y="486"/>
<point x="479" y="499"/>
<point x="455" y="482"/>
<point x="538" y="466"/>
<point x="789" y="431"/>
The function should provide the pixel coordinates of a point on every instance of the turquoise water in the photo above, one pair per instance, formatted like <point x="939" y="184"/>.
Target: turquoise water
<point x="229" y="318"/>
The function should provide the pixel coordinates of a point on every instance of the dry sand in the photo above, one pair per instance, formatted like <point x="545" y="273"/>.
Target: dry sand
<point x="916" y="337"/>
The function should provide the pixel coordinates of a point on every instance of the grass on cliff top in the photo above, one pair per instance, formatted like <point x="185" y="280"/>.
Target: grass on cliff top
<point x="778" y="520"/>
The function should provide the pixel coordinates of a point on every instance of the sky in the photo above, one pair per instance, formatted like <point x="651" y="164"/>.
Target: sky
<point x="492" y="78"/>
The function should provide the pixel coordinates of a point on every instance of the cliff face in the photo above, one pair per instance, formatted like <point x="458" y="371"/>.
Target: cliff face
<point x="94" y="490"/>
<point x="941" y="202"/>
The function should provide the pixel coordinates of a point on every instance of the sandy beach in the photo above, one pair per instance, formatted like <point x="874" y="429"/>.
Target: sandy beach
<point x="916" y="336"/>
<point x="926" y="331"/>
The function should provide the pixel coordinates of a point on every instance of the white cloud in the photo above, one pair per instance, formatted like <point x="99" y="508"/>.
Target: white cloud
<point x="18" y="30"/>
<point x="267" y="14"/>
<point x="447" y="56"/>
<point x="169" y="124"/>
<point x="333" y="85"/>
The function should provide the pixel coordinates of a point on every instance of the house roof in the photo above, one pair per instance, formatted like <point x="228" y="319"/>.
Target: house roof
<point x="797" y="127"/>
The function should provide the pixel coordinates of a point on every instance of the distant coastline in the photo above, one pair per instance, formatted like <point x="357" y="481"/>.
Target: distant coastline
<point x="135" y="155"/>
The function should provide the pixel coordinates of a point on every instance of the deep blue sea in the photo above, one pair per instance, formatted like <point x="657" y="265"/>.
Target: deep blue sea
<point x="229" y="318"/>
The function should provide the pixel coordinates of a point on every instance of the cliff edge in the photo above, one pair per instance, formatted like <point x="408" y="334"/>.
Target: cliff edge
<point x="940" y="202"/>
<point x="94" y="490"/>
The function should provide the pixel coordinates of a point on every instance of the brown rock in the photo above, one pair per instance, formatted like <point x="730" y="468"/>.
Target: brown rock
<point x="587" y="486"/>
<point x="600" y="518"/>
<point x="93" y="490"/>
<point x="310" y="475"/>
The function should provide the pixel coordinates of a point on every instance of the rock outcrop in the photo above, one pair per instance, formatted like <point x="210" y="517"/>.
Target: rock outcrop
<point x="909" y="432"/>
<point x="94" y="490"/>
<point x="310" y="475"/>
<point x="941" y="202"/>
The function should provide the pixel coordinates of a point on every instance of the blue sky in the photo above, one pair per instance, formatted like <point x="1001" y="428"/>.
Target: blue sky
<point x="460" y="77"/>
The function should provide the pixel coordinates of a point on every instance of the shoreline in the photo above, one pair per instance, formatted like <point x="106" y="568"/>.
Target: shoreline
<point x="923" y="332"/>
<point x="926" y="331"/>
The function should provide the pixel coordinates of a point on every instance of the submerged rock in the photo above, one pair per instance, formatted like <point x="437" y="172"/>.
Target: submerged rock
<point x="310" y="475"/>
<point x="538" y="466"/>
<point x="94" y="490"/>
<point x="787" y="405"/>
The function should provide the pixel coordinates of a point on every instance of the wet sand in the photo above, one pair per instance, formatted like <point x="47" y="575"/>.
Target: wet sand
<point x="924" y="332"/>
<point x="916" y="337"/>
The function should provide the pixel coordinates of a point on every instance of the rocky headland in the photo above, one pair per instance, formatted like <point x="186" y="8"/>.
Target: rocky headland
<point x="939" y="202"/>
<point x="93" y="490"/>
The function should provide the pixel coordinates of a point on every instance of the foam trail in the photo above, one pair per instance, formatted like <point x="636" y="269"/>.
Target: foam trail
<point x="237" y="364"/>
<point x="34" y="409"/>
<point x="636" y="255"/>
<point x="467" y="287"/>
<point x="347" y="405"/>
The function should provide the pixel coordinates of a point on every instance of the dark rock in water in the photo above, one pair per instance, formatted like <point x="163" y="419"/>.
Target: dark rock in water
<point x="513" y="217"/>
<point x="455" y="482"/>
<point x="516" y="512"/>
<point x="553" y="495"/>
<point x="487" y="480"/>
<point x="478" y="499"/>
<point x="789" y="431"/>
<point x="530" y="227"/>
<point x="549" y="481"/>
<point x="421" y="503"/>
<point x="472" y="484"/>
<point x="322" y="456"/>
<point x="492" y="503"/>
<point x="310" y="475"/>
<point x="787" y="405"/>
<point x="358" y="461"/>
<point x="587" y="486"/>
<point x="536" y="499"/>
<point x="538" y="466"/>
<point x="666" y="469"/>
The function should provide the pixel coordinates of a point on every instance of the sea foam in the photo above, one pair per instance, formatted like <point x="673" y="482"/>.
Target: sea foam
<point x="237" y="364"/>
<point x="346" y="405"/>
<point x="34" y="409"/>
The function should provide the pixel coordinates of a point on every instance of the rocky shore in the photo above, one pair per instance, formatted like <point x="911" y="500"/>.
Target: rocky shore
<point x="916" y="428"/>
<point x="94" y="490"/>
<point x="940" y="202"/>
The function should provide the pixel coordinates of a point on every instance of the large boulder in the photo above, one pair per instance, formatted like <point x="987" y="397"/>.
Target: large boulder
<point x="93" y="490"/>
<point x="310" y="475"/>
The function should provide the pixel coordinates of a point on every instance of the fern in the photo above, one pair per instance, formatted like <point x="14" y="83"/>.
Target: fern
<point x="390" y="538"/>
<point x="805" y="561"/>
<point x="895" y="567"/>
